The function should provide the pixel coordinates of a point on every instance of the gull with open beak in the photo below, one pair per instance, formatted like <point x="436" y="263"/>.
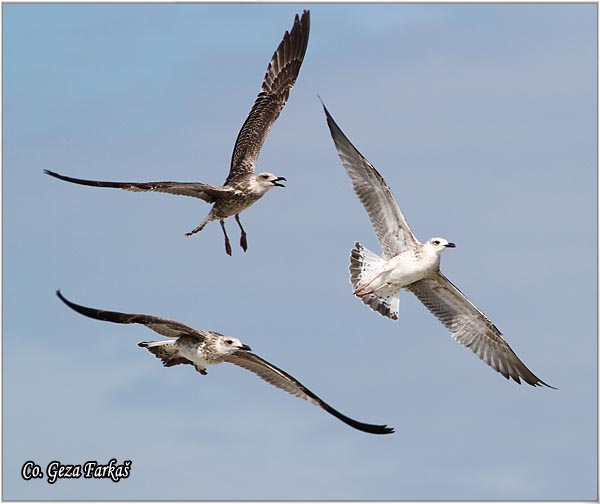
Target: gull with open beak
<point x="243" y="187"/>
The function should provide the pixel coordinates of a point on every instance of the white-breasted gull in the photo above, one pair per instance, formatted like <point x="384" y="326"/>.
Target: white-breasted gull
<point x="407" y="263"/>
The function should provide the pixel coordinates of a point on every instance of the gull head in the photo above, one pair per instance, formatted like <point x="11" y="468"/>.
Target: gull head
<point x="226" y="345"/>
<point x="440" y="244"/>
<point x="265" y="181"/>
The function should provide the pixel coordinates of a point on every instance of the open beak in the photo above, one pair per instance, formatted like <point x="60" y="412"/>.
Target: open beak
<point x="245" y="347"/>
<point x="450" y="245"/>
<point x="277" y="180"/>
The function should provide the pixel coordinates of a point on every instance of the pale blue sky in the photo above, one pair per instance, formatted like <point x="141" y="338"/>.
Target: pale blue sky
<point x="482" y="119"/>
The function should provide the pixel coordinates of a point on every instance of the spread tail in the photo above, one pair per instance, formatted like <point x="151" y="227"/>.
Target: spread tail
<point x="364" y="266"/>
<point x="166" y="351"/>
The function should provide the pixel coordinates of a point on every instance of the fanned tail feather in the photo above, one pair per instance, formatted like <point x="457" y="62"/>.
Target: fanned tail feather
<point x="385" y="302"/>
<point x="166" y="351"/>
<point x="364" y="265"/>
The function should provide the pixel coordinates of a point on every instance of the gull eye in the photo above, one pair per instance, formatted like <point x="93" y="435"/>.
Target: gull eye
<point x="265" y="176"/>
<point x="436" y="242"/>
<point x="228" y="341"/>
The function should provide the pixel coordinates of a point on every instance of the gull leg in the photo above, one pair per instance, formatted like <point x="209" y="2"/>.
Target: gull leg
<point x="227" y="244"/>
<point x="200" y="370"/>
<point x="362" y="292"/>
<point x="243" y="242"/>
<point x="198" y="228"/>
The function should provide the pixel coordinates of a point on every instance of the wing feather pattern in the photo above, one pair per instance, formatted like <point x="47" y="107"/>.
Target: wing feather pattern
<point x="471" y="328"/>
<point x="206" y="192"/>
<point x="162" y="326"/>
<point x="279" y="79"/>
<point x="288" y="383"/>
<point x="391" y="228"/>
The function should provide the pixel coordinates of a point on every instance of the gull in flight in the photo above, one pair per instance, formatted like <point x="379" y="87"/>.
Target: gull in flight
<point x="206" y="348"/>
<point x="242" y="187"/>
<point x="407" y="263"/>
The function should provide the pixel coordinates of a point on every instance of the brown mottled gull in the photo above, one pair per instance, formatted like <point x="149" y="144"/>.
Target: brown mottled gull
<point x="242" y="187"/>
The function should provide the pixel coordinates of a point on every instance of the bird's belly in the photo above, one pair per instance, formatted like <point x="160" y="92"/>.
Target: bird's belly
<point x="234" y="204"/>
<point x="406" y="271"/>
<point x="401" y="278"/>
<point x="195" y="355"/>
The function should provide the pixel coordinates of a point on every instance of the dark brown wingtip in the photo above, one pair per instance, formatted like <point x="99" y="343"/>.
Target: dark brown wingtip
<point x="369" y="428"/>
<point x="305" y="19"/>
<point x="300" y="32"/>
<point x="333" y="127"/>
<point x="365" y="427"/>
<point x="53" y="174"/>
<point x="522" y="374"/>
<point x="327" y="114"/>
<point x="104" y="315"/>
<point x="300" y="24"/>
<point x="60" y="177"/>
<point x="64" y="299"/>
<point x="84" y="310"/>
<point x="540" y="383"/>
<point x="382" y="429"/>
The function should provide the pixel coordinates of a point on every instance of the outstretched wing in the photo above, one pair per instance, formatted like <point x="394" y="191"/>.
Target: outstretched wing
<point x="471" y="328"/>
<point x="391" y="228"/>
<point x="165" y="327"/>
<point x="288" y="383"/>
<point x="279" y="79"/>
<point x="205" y="192"/>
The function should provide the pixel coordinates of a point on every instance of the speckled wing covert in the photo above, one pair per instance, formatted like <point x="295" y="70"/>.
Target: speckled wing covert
<point x="391" y="228"/>
<point x="279" y="79"/>
<point x="471" y="328"/>
<point x="280" y="379"/>
<point x="163" y="326"/>
<point x="206" y="192"/>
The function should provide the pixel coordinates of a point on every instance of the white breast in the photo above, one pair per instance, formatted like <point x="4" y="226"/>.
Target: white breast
<point x="195" y="354"/>
<point x="409" y="267"/>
